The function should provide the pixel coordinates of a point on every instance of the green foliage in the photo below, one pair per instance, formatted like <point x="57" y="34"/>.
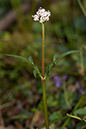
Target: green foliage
<point x="52" y="98"/>
<point x="63" y="102"/>
<point x="81" y="111"/>
<point x="57" y="58"/>
<point x="68" y="33"/>
<point x="48" y="69"/>
<point x="34" y="73"/>
<point x="56" y="116"/>
<point x="80" y="125"/>
<point x="19" y="57"/>
<point x="30" y="61"/>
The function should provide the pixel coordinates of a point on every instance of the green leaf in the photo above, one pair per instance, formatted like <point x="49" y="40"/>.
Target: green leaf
<point x="81" y="111"/>
<point x="55" y="57"/>
<point x="65" y="54"/>
<point x="55" y="116"/>
<point x="48" y="68"/>
<point x="49" y="72"/>
<point x="36" y="67"/>
<point x="35" y="73"/>
<point x="19" y="57"/>
<point x="31" y="60"/>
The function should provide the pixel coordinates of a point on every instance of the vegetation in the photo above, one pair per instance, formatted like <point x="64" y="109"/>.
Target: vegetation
<point x="20" y="94"/>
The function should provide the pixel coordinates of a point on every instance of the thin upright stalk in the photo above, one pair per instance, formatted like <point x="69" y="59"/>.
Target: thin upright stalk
<point x="43" y="49"/>
<point x="43" y="82"/>
<point x="45" y="104"/>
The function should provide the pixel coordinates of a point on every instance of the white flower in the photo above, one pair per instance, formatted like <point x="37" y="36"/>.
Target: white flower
<point x="41" y="15"/>
<point x="36" y="18"/>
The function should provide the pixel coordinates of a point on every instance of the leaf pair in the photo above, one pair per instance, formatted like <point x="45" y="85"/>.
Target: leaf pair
<point x="36" y="71"/>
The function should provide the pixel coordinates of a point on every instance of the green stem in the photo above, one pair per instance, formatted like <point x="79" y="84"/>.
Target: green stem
<point x="43" y="49"/>
<point x="43" y="82"/>
<point x="77" y="105"/>
<point x="45" y="104"/>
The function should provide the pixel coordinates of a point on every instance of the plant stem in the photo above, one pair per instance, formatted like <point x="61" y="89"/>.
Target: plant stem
<point x="43" y="82"/>
<point x="43" y="49"/>
<point x="45" y="104"/>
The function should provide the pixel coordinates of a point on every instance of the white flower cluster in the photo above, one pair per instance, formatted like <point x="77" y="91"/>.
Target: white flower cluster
<point x="41" y="15"/>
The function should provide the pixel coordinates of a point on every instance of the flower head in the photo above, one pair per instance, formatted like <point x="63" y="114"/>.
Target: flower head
<point x="41" y="15"/>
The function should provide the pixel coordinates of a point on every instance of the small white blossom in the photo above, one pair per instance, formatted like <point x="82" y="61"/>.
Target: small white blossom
<point x="36" y="18"/>
<point x="41" y="15"/>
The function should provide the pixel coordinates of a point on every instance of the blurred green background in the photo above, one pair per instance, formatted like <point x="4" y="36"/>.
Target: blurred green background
<point x="20" y="35"/>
